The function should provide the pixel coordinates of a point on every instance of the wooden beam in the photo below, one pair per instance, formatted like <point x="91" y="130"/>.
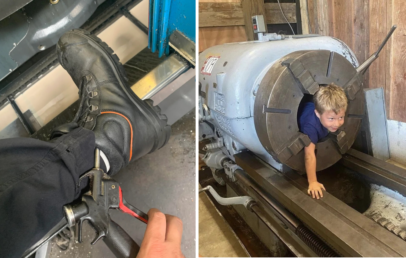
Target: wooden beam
<point x="304" y="16"/>
<point x="397" y="87"/>
<point x="324" y="18"/>
<point x="343" y="21"/>
<point x="361" y="33"/>
<point x="219" y="14"/>
<point x="312" y="15"/>
<point x="274" y="15"/>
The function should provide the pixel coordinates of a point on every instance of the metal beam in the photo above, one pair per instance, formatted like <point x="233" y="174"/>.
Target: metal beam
<point x="26" y="123"/>
<point x="134" y="20"/>
<point x="278" y="221"/>
<point x="345" y="230"/>
<point x="376" y="171"/>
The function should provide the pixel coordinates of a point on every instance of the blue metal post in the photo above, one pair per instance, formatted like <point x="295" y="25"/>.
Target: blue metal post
<point x="166" y="16"/>
<point x="150" y="15"/>
<point x="155" y="29"/>
<point x="163" y="39"/>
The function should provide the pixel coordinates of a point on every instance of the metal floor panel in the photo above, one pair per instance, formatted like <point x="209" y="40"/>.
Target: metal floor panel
<point x="141" y="64"/>
<point x="165" y="179"/>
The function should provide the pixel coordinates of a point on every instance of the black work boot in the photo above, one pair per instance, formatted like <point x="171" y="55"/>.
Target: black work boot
<point x="125" y="127"/>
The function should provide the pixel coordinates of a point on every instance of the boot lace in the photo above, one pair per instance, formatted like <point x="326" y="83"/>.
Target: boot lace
<point x="85" y="93"/>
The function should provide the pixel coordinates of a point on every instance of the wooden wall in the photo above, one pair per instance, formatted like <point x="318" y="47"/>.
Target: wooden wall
<point x="362" y="25"/>
<point x="217" y="35"/>
<point x="227" y="21"/>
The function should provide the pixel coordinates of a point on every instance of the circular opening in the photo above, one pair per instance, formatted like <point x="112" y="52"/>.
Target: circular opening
<point x="306" y="99"/>
<point x="54" y="1"/>
<point x="41" y="47"/>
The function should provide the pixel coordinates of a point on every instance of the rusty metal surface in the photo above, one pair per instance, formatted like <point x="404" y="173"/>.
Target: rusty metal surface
<point x="278" y="99"/>
<point x="345" y="230"/>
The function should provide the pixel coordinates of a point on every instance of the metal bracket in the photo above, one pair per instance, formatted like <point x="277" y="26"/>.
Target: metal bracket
<point x="340" y="138"/>
<point x="184" y="46"/>
<point x="294" y="147"/>
<point x="305" y="80"/>
<point x="229" y="168"/>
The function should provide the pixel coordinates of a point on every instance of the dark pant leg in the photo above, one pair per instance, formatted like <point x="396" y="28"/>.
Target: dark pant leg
<point x="37" y="179"/>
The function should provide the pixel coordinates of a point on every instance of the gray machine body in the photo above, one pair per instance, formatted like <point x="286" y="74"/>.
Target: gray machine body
<point x="229" y="76"/>
<point x="37" y="27"/>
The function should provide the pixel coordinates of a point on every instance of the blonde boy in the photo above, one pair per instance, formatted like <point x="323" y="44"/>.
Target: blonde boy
<point x="316" y="119"/>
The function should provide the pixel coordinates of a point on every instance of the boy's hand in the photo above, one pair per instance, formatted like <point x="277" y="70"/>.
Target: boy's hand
<point x="315" y="190"/>
<point x="162" y="237"/>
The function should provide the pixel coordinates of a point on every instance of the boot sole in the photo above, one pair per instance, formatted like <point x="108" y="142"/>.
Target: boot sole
<point x="160" y="121"/>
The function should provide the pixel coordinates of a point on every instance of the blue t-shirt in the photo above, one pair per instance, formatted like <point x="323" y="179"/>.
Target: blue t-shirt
<point x="310" y="124"/>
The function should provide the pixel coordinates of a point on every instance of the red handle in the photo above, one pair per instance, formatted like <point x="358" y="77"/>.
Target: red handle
<point x="127" y="208"/>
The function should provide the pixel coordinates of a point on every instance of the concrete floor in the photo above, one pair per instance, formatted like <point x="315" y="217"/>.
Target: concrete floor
<point x="216" y="239"/>
<point x="166" y="180"/>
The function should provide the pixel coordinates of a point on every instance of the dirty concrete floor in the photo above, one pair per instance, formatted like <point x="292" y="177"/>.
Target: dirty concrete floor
<point x="216" y="239"/>
<point x="165" y="179"/>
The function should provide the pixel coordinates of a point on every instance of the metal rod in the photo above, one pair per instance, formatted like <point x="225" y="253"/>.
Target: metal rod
<point x="280" y="227"/>
<point x="364" y="66"/>
<point x="97" y="158"/>
<point x="27" y="124"/>
<point x="386" y="40"/>
<point x="134" y="20"/>
<point x="289" y="239"/>
<point x="59" y="227"/>
<point x="280" y="212"/>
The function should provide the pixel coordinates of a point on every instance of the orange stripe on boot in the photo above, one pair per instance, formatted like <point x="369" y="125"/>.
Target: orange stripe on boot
<point x="131" y="142"/>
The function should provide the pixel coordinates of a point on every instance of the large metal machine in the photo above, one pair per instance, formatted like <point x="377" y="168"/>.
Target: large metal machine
<point x="250" y="93"/>
<point x="253" y="97"/>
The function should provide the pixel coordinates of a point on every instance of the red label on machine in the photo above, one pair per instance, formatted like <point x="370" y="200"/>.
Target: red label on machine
<point x="209" y="64"/>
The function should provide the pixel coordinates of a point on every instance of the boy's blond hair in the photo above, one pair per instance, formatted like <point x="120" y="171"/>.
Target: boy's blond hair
<point x="330" y="97"/>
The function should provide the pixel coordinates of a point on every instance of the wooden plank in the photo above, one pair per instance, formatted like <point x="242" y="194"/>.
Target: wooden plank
<point x="398" y="85"/>
<point x="324" y="18"/>
<point x="377" y="71"/>
<point x="389" y="60"/>
<point x="219" y="14"/>
<point x="213" y="36"/>
<point x="342" y="24"/>
<point x="274" y="15"/>
<point x="304" y="16"/>
<point x="361" y="33"/>
<point x="249" y="9"/>
<point x="312" y="15"/>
